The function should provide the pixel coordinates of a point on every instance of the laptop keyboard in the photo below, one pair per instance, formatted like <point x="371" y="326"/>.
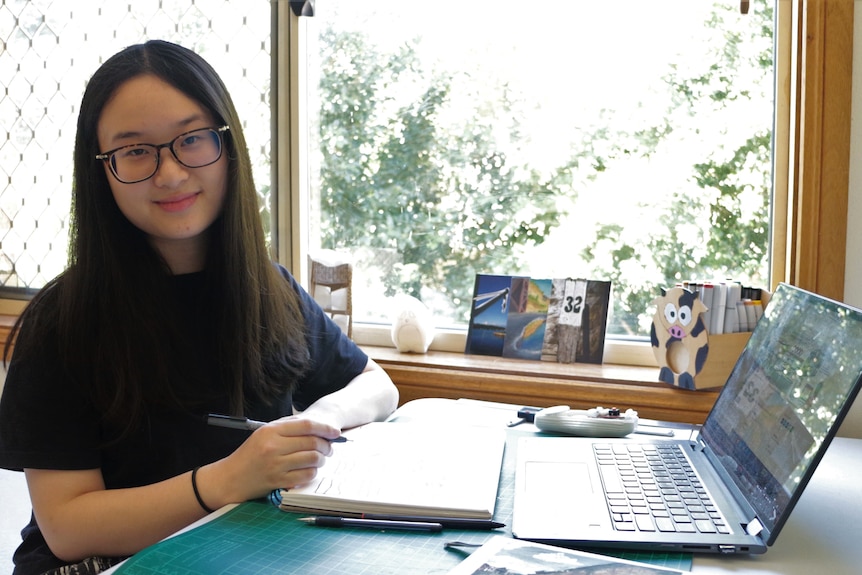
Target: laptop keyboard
<point x="652" y="487"/>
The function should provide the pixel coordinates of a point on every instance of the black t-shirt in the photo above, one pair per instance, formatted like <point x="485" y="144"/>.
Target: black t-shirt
<point x="45" y="423"/>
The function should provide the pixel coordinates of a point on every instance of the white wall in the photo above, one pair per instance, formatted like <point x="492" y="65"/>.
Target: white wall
<point x="852" y="268"/>
<point x="853" y="271"/>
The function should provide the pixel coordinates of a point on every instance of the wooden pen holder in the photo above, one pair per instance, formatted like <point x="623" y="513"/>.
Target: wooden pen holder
<point x="724" y="350"/>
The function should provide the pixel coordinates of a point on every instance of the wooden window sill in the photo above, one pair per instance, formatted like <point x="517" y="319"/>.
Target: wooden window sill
<point x="542" y="384"/>
<point x="578" y="385"/>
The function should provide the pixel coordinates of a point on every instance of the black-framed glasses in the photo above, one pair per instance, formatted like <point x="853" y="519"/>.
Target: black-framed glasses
<point x="138" y="162"/>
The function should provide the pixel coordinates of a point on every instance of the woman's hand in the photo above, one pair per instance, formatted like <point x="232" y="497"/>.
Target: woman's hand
<point x="281" y="454"/>
<point x="289" y="451"/>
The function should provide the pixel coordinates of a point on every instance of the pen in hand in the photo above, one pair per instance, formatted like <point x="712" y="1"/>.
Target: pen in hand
<point x="247" y="424"/>
<point x="326" y="521"/>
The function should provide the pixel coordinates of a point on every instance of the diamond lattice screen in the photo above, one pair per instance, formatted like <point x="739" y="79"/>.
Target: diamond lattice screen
<point x="48" y="50"/>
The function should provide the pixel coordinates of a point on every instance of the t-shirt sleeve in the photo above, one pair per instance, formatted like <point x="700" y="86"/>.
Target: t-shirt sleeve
<point x="335" y="359"/>
<point x="45" y="421"/>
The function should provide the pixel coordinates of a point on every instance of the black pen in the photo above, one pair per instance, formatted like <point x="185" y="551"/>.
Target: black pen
<point x="327" y="521"/>
<point x="234" y="422"/>
<point x="446" y="522"/>
<point x="247" y="424"/>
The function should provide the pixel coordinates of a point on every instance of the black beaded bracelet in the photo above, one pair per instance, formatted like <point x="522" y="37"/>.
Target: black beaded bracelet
<point x="198" y="493"/>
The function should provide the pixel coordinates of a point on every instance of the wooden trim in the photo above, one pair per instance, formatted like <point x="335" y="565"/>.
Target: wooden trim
<point x="6" y="324"/>
<point x="454" y="376"/>
<point x="819" y="197"/>
<point x="782" y="141"/>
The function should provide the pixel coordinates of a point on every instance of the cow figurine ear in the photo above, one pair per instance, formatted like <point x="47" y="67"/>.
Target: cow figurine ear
<point x="679" y="337"/>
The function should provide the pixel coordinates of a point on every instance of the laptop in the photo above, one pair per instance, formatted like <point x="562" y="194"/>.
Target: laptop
<point x="739" y="475"/>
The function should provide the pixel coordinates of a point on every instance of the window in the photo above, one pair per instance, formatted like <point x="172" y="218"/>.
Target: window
<point x="611" y="140"/>
<point x="38" y="122"/>
<point x="47" y="57"/>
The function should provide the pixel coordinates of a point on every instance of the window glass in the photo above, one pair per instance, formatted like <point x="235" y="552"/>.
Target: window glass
<point x="47" y="56"/>
<point x="619" y="140"/>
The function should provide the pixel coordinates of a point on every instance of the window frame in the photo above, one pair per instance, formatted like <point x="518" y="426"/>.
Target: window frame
<point x="810" y="187"/>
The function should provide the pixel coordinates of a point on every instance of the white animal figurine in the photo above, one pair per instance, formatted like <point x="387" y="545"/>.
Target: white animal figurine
<point x="412" y="325"/>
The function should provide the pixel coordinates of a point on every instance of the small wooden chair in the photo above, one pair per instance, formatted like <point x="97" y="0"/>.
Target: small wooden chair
<point x="330" y="284"/>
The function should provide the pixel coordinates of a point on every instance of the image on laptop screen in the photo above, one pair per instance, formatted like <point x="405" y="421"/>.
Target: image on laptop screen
<point x="789" y="388"/>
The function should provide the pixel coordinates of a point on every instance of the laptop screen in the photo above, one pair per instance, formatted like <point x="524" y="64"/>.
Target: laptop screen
<point x="793" y="383"/>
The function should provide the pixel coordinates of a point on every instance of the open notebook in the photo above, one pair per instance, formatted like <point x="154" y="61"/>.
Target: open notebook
<point x="730" y="489"/>
<point x="407" y="469"/>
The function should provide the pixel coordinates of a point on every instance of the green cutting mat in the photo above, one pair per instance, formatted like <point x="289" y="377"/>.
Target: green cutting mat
<point x="256" y="538"/>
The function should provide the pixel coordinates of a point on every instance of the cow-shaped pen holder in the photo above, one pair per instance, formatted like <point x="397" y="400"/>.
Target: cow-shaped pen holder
<point x="679" y="337"/>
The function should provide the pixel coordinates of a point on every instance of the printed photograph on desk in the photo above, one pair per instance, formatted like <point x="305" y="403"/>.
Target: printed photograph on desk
<point x="489" y="315"/>
<point x="505" y="556"/>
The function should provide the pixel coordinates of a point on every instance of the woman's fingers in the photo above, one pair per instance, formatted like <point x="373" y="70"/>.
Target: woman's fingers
<point x="291" y="451"/>
<point x="298" y="426"/>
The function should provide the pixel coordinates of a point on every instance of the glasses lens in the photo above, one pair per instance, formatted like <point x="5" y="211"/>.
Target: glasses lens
<point x="198" y="148"/>
<point x="139" y="162"/>
<point x="134" y="163"/>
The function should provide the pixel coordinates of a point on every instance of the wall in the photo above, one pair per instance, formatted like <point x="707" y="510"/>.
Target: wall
<point x="852" y="268"/>
<point x="853" y="271"/>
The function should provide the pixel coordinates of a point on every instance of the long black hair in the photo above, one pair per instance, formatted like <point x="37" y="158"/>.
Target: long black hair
<point x="114" y="332"/>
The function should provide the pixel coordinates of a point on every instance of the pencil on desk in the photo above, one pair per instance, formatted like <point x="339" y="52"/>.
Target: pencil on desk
<point x="446" y="522"/>
<point x="328" y="521"/>
<point x="465" y="523"/>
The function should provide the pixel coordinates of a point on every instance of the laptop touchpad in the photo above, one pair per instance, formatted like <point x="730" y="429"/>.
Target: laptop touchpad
<point x="567" y="488"/>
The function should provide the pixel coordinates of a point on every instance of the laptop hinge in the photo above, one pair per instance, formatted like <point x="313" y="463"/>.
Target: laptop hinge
<point x="754" y="527"/>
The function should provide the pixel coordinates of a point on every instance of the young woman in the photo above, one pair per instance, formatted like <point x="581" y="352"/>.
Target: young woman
<point x="170" y="309"/>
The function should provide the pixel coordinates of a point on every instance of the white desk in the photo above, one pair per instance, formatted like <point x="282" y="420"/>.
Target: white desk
<point x="822" y="536"/>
